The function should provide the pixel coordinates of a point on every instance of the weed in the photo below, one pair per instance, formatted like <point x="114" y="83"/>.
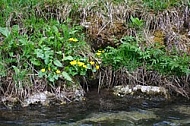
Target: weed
<point x="136" y="23"/>
<point x="126" y="55"/>
<point x="48" y="49"/>
<point x="160" y="5"/>
<point x="57" y="48"/>
<point x="130" y="56"/>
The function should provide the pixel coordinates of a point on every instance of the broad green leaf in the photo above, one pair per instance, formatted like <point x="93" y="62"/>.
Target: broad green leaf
<point x="58" y="63"/>
<point x="68" y="58"/>
<point x="67" y="76"/>
<point x="39" y="53"/>
<point x="47" y="60"/>
<point x="51" y="79"/>
<point x="5" y="31"/>
<point x="46" y="48"/>
<point x="59" y="52"/>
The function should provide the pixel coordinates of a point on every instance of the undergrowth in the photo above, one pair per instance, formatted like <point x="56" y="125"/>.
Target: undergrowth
<point x="131" y="56"/>
<point x="45" y="39"/>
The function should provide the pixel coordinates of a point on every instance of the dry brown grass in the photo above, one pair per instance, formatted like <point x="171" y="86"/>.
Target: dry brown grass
<point x="106" y="22"/>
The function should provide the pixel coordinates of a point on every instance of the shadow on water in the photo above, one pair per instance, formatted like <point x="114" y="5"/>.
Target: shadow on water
<point x="102" y="109"/>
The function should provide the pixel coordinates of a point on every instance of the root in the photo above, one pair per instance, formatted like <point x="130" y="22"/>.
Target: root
<point x="175" y="85"/>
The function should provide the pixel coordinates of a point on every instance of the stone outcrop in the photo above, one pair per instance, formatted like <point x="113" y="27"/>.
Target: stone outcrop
<point x="146" y="90"/>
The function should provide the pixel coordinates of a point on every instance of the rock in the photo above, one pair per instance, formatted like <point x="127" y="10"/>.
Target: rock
<point x="79" y="95"/>
<point x="46" y="97"/>
<point x="122" y="115"/>
<point x="148" y="90"/>
<point x="41" y="97"/>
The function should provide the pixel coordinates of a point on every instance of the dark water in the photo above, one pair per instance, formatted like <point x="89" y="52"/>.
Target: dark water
<point x="106" y="109"/>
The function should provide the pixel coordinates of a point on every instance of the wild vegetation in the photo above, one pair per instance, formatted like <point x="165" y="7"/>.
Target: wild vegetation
<point x="51" y="45"/>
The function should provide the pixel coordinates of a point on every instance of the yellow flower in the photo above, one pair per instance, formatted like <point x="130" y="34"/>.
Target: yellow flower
<point x="74" y="62"/>
<point x="97" y="67"/>
<point x="58" y="71"/>
<point x="98" y="53"/>
<point x="84" y="66"/>
<point x="73" y="40"/>
<point x="43" y="70"/>
<point x="80" y="63"/>
<point x="92" y="62"/>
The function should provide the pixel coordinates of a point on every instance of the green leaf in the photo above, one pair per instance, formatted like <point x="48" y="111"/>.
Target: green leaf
<point x="47" y="60"/>
<point x="35" y="62"/>
<point x="39" y="53"/>
<point x="67" y="76"/>
<point x="46" y="48"/>
<point x="51" y="79"/>
<point x="68" y="58"/>
<point x="58" y="63"/>
<point x="59" y="52"/>
<point x="5" y="31"/>
<point x="40" y="74"/>
<point x="55" y="29"/>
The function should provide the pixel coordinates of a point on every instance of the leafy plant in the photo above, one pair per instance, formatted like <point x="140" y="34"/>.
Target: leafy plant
<point x="49" y="51"/>
<point x="4" y="31"/>
<point x="130" y="56"/>
<point x="57" y="48"/>
<point x="136" y="22"/>
<point x="159" y="5"/>
<point x="126" y="55"/>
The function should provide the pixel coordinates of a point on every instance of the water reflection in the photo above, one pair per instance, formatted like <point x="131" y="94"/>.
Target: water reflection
<point x="101" y="110"/>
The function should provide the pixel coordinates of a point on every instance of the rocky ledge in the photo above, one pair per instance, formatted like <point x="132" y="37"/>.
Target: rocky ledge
<point x="121" y="91"/>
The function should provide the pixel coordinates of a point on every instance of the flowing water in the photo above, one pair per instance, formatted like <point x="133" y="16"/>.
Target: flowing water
<point x="101" y="109"/>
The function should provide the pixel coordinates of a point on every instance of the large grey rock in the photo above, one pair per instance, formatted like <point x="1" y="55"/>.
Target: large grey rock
<point x="148" y="90"/>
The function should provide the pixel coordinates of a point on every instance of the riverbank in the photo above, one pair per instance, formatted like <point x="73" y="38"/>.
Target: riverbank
<point x="66" y="46"/>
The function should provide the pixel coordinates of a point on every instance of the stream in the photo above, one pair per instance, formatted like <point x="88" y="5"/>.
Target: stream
<point x="103" y="109"/>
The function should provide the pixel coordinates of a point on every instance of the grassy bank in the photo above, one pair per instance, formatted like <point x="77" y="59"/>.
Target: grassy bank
<point x="50" y="45"/>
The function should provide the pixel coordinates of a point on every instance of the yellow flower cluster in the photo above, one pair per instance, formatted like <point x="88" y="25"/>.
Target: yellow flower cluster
<point x="81" y="64"/>
<point x="73" y="40"/>
<point x="74" y="62"/>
